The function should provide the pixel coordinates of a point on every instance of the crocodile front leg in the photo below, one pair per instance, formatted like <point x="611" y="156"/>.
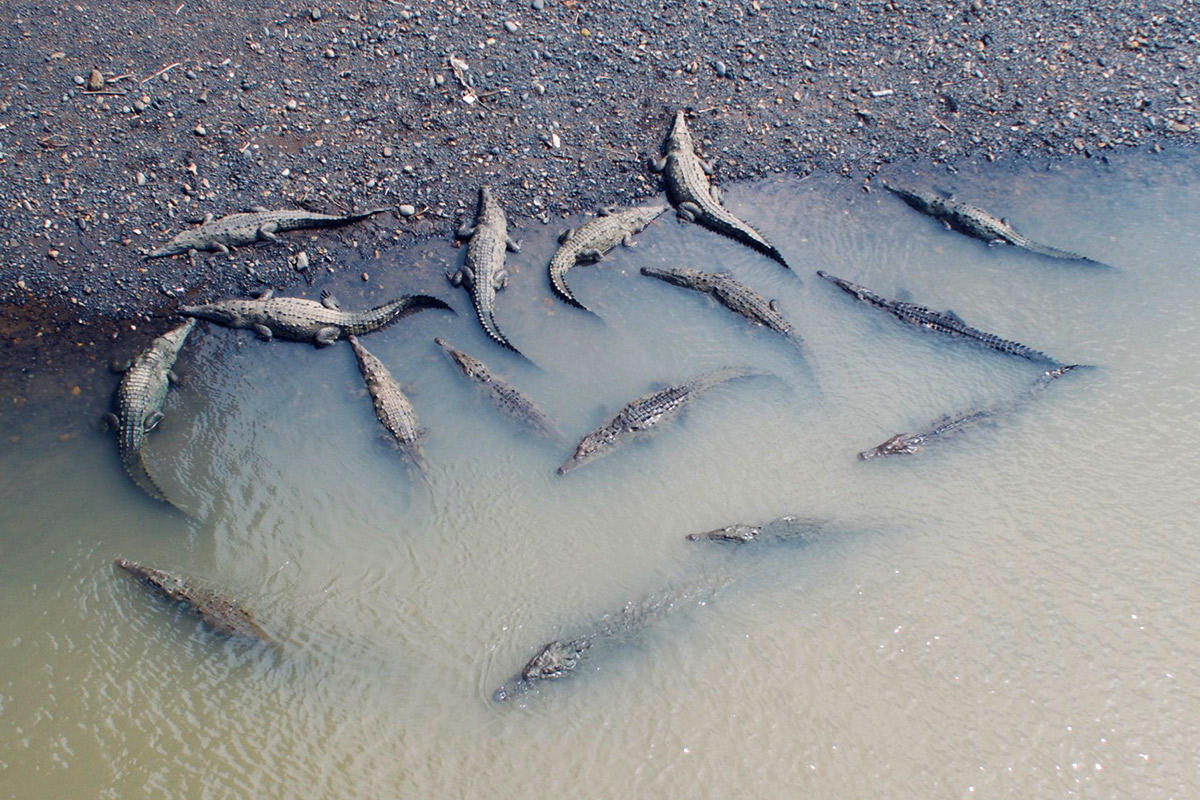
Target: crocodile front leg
<point x="267" y="231"/>
<point x="263" y="332"/>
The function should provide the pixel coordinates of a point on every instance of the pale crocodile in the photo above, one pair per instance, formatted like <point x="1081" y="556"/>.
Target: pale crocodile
<point x="910" y="443"/>
<point x="483" y="272"/>
<point x="645" y="413"/>
<point x="506" y="398"/>
<point x="298" y="319"/>
<point x="946" y="322"/>
<point x="222" y="615"/>
<point x="737" y="297"/>
<point x="790" y="528"/>
<point x="592" y="240"/>
<point x="238" y="230"/>
<point x="139" y="401"/>
<point x="687" y="180"/>
<point x="976" y="222"/>
<point x="392" y="407"/>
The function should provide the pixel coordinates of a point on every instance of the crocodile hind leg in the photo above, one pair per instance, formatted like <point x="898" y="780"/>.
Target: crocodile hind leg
<point x="327" y="336"/>
<point x="688" y="211"/>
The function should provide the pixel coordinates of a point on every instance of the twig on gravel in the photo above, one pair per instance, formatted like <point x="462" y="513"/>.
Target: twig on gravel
<point x="160" y="72"/>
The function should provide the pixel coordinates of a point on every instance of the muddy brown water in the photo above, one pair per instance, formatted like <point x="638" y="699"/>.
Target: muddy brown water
<point x="1011" y="613"/>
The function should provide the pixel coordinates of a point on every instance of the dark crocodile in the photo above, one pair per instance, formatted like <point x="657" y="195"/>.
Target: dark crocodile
<point x="735" y="296"/>
<point x="506" y="398"/>
<point x="645" y="413"/>
<point x="695" y="198"/>
<point x="483" y="272"/>
<point x="592" y="240"/>
<point x="563" y="658"/>
<point x="976" y="222"/>
<point x="298" y="319"/>
<point x="237" y="230"/>
<point x="946" y="322"/>
<point x="392" y="407"/>
<point x="909" y="443"/>
<point x="222" y="615"/>
<point x="139" y="402"/>
<point x="790" y="528"/>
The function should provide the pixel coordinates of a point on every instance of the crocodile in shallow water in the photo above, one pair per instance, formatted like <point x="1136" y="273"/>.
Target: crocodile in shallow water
<point x="939" y="321"/>
<point x="790" y="528"/>
<point x="645" y="413"/>
<point x="506" y="398"/>
<point x="139" y="402"/>
<point x="298" y="319"/>
<point x="909" y="443"/>
<point x="735" y="296"/>
<point x="976" y="222"/>
<point x="237" y="230"/>
<point x="392" y="407"/>
<point x="220" y="614"/>
<point x="483" y="272"/>
<point x="592" y="240"/>
<point x="695" y="198"/>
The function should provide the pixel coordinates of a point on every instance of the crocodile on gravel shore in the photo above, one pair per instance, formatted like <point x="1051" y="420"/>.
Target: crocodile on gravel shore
<point x="392" y="407"/>
<point x="220" y="614"/>
<point x="976" y="222"/>
<point x="593" y="239"/>
<point x="939" y="321"/>
<point x="790" y="528"/>
<point x="696" y="200"/>
<point x="483" y="272"/>
<point x="301" y="320"/>
<point x="563" y="658"/>
<point x="735" y="296"/>
<point x="645" y="413"/>
<point x="237" y="230"/>
<point x="909" y="443"/>
<point x="139" y="402"/>
<point x="506" y="398"/>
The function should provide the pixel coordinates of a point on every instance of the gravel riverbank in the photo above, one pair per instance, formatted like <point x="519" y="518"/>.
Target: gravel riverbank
<point x="117" y="128"/>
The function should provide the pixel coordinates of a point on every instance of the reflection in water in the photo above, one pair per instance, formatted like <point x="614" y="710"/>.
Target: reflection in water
<point x="1017" y="611"/>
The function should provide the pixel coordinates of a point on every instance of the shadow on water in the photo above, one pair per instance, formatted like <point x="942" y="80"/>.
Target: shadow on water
<point x="1010" y="574"/>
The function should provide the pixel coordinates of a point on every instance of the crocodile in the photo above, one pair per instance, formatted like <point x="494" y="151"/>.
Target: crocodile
<point x="645" y="413"/>
<point x="222" y="615"/>
<point x="789" y="528"/>
<point x="392" y="407"/>
<point x="592" y="240"/>
<point x="735" y="296"/>
<point x="939" y="321"/>
<point x="237" y="230"/>
<point x="298" y="319"/>
<point x="139" y="401"/>
<point x="563" y="658"/>
<point x="910" y="443"/>
<point x="686" y="177"/>
<point x="506" y="398"/>
<point x="483" y="272"/>
<point x="976" y="222"/>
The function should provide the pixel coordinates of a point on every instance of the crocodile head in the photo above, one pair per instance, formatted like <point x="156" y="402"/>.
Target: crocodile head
<point x="183" y="242"/>
<point x="220" y="313"/>
<point x="678" y="277"/>
<point x="902" y="444"/>
<point x="736" y="533"/>
<point x="680" y="138"/>
<point x="176" y="335"/>
<point x="595" y="444"/>
<point x="553" y="662"/>
<point x="470" y="366"/>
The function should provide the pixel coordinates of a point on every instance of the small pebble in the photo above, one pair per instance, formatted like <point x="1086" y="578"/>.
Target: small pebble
<point x="315" y="14"/>
<point x="79" y="80"/>
<point x="301" y="261"/>
<point x="95" y="81"/>
<point x="720" y="68"/>
<point x="141" y="179"/>
<point x="191" y="74"/>
<point x="511" y="26"/>
<point x="291" y="105"/>
<point x="330" y="53"/>
<point x="538" y="5"/>
<point x="1178" y="127"/>
<point x="387" y="152"/>
<point x="407" y="210"/>
<point x="201" y="130"/>
<point x="366" y="277"/>
<point x="139" y="105"/>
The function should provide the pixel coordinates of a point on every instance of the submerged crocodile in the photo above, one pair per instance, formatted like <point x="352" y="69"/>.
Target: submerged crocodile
<point x="645" y="413"/>
<point x="392" y="407"/>
<point x="976" y="222"/>
<point x="909" y="443"/>
<point x="237" y="230"/>
<point x="563" y="658"/>
<point x="298" y="319"/>
<point x="483" y="272"/>
<point x="735" y="296"/>
<point x="139" y="402"/>
<point x="695" y="198"/>
<point x="506" y="398"/>
<point x="592" y="240"/>
<point x="220" y="614"/>
<point x="790" y="528"/>
<point x="939" y="321"/>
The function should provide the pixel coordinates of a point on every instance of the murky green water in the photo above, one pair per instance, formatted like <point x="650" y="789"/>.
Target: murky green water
<point x="1012" y="613"/>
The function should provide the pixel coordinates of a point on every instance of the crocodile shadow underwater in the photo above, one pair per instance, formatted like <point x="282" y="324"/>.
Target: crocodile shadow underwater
<point x="1034" y="570"/>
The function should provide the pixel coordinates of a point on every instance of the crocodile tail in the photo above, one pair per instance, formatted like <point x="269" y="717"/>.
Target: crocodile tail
<point x="1054" y="252"/>
<point x="389" y="313"/>
<point x="559" y="284"/>
<point x="488" y="321"/>
<point x="136" y="469"/>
